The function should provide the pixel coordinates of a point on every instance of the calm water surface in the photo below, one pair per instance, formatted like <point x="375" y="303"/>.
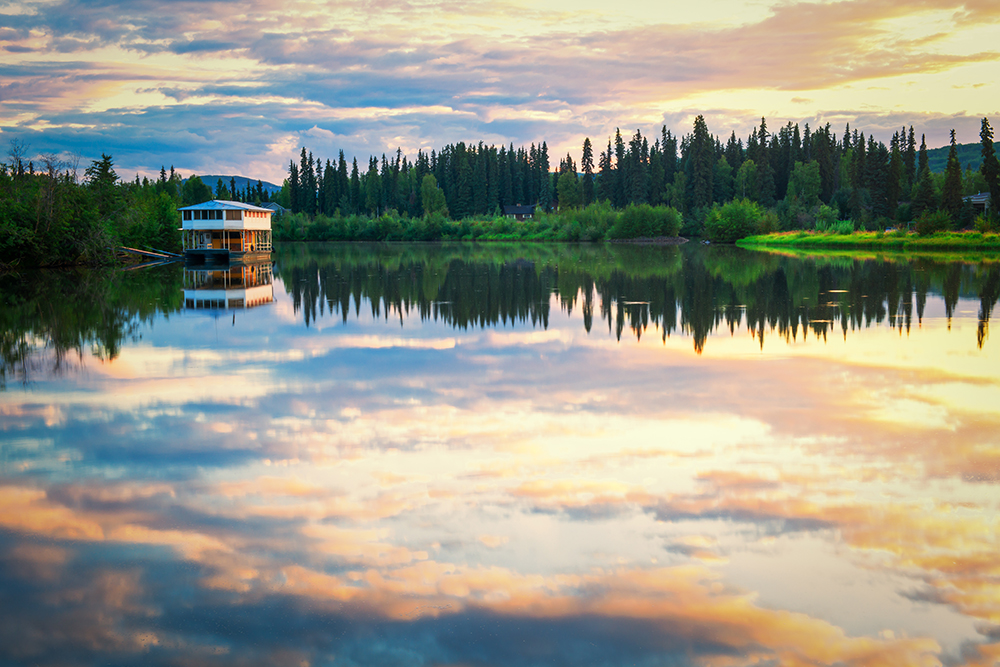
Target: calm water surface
<point x="503" y="455"/>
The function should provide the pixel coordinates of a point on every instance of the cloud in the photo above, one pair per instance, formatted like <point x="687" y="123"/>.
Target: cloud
<point x="511" y="74"/>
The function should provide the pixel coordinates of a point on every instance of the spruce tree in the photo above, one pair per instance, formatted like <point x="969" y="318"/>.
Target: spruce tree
<point x="894" y="186"/>
<point x="545" y="179"/>
<point x="294" y="200"/>
<point x="605" y="184"/>
<point x="910" y="160"/>
<point x="701" y="166"/>
<point x="825" y="153"/>
<point x="492" y="180"/>
<point x="331" y="195"/>
<point x="636" y="171"/>
<point x="343" y="185"/>
<point x="618" y="193"/>
<point x="668" y="146"/>
<point x="505" y="194"/>
<point x="951" y="194"/>
<point x="924" y="197"/>
<point x="355" y="204"/>
<point x="734" y="151"/>
<point x="587" y="164"/>
<point x="990" y="167"/>
<point x="655" y="174"/>
<point x="462" y="199"/>
<point x="517" y="163"/>
<point x="876" y="177"/>
<point x="479" y="193"/>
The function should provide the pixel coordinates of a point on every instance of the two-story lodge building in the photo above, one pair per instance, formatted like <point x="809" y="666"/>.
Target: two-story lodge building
<point x="220" y="231"/>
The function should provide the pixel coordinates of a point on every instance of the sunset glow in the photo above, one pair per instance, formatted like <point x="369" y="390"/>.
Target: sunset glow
<point x="188" y="83"/>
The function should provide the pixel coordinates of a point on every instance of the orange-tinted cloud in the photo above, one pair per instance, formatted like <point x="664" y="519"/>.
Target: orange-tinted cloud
<point x="346" y="76"/>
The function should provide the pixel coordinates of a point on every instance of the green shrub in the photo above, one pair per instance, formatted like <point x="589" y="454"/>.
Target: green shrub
<point x="769" y="222"/>
<point x="733" y="221"/>
<point x="645" y="221"/>
<point x="930" y="222"/>
<point x="826" y="216"/>
<point x="598" y="216"/>
<point x="983" y="224"/>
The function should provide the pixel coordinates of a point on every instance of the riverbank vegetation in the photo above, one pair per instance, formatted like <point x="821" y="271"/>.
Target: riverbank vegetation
<point x="696" y="185"/>
<point x="51" y="215"/>
<point x="896" y="239"/>
<point x="596" y="222"/>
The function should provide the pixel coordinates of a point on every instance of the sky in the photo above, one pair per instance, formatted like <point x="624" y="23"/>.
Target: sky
<point x="239" y="87"/>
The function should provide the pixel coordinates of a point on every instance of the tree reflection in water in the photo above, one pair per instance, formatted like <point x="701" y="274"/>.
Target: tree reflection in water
<point x="48" y="317"/>
<point x="691" y="289"/>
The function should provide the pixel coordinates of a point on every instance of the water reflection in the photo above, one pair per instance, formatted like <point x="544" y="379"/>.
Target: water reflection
<point x="694" y="289"/>
<point x="239" y="286"/>
<point x="50" y="318"/>
<point x="421" y="455"/>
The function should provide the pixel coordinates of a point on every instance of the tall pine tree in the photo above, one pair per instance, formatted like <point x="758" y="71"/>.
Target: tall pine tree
<point x="587" y="164"/>
<point x="701" y="166"/>
<point x="990" y="167"/>
<point x="951" y="194"/>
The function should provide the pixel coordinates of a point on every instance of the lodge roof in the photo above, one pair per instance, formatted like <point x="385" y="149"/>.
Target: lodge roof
<point x="225" y="205"/>
<point x="519" y="210"/>
<point x="981" y="198"/>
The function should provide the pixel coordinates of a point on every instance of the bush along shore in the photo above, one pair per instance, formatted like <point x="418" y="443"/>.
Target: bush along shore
<point x="596" y="222"/>
<point x="896" y="239"/>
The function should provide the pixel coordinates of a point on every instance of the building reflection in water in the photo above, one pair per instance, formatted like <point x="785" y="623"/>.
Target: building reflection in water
<point x="239" y="286"/>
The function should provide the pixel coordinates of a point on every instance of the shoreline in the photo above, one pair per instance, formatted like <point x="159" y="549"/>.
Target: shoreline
<point x="889" y="241"/>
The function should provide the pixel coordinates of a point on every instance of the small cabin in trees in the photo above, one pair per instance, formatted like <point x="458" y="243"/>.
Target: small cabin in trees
<point x="980" y="202"/>
<point x="519" y="213"/>
<point x="220" y="231"/>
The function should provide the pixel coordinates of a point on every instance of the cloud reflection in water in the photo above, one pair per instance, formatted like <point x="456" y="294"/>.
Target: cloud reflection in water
<point x="483" y="488"/>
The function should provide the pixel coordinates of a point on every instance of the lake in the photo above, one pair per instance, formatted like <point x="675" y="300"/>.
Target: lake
<point x="503" y="454"/>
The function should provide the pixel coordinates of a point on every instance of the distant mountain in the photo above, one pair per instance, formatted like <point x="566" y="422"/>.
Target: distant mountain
<point x="968" y="155"/>
<point x="241" y="182"/>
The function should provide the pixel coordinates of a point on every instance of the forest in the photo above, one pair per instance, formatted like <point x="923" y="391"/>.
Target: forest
<point x="795" y="178"/>
<point x="51" y="215"/>
<point x="695" y="185"/>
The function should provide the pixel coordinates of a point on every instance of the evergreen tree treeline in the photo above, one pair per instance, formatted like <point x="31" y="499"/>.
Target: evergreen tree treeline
<point x="791" y="172"/>
<point x="475" y="180"/>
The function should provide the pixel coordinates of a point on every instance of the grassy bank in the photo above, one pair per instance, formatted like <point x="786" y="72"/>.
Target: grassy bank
<point x="597" y="222"/>
<point x="897" y="241"/>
